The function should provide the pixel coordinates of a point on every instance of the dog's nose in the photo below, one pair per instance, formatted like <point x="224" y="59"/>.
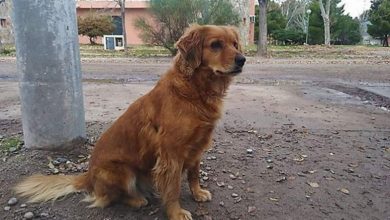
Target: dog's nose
<point x="240" y="60"/>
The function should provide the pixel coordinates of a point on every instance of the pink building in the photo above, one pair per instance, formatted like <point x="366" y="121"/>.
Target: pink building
<point x="134" y="9"/>
<point x="139" y="8"/>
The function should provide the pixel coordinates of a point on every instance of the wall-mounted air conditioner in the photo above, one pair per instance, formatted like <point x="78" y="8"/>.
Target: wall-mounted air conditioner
<point x="113" y="42"/>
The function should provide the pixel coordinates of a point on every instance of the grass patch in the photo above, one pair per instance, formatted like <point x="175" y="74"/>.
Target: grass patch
<point x="8" y="50"/>
<point x="133" y="51"/>
<point x="323" y="52"/>
<point x="283" y="52"/>
<point x="300" y="51"/>
<point x="11" y="144"/>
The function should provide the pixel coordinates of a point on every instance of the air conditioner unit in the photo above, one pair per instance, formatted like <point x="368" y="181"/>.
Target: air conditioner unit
<point x="113" y="42"/>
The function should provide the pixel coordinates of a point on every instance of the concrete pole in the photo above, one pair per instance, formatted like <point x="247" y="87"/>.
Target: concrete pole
<point x="48" y="62"/>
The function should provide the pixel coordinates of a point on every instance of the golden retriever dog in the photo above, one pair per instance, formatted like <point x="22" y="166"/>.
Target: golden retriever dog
<point x="162" y="135"/>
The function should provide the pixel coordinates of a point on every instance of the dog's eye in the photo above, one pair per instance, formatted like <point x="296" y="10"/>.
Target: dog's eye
<point x="216" y="45"/>
<point x="235" y="44"/>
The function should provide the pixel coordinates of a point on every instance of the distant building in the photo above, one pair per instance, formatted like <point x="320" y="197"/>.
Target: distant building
<point x="246" y="10"/>
<point x="6" y="31"/>
<point x="134" y="9"/>
<point x="140" y="8"/>
<point x="367" y="39"/>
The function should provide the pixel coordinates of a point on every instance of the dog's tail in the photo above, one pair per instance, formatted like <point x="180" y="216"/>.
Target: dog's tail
<point x="40" y="188"/>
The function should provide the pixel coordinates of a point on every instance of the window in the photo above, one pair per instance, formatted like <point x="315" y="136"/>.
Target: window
<point x="118" y="25"/>
<point x="252" y="18"/>
<point x="2" y="22"/>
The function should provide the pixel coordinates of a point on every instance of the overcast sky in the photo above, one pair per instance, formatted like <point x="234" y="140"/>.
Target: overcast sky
<point x="355" y="7"/>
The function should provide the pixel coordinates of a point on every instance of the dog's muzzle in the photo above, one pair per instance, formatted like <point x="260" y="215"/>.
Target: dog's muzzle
<point x="240" y="60"/>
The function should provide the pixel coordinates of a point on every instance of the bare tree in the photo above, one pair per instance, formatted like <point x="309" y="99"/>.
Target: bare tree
<point x="295" y="12"/>
<point x="325" y="10"/>
<point x="172" y="17"/>
<point x="262" y="44"/>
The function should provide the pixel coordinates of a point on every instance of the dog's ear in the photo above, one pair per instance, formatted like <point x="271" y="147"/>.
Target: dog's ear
<point x="237" y="35"/>
<point x="190" y="47"/>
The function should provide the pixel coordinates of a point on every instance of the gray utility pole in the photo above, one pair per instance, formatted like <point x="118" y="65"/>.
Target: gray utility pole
<point x="48" y="61"/>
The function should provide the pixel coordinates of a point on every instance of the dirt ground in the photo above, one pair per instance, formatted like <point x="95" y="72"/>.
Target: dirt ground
<point x="298" y="140"/>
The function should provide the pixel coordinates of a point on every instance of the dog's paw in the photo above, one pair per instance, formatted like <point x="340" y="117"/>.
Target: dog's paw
<point x="202" y="195"/>
<point x="182" y="214"/>
<point x="137" y="202"/>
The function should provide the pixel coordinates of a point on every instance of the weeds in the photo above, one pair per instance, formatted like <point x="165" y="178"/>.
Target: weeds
<point x="11" y="144"/>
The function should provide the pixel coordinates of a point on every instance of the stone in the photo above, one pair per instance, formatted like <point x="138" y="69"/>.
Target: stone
<point x="29" y="215"/>
<point x="12" y="149"/>
<point x="12" y="201"/>
<point x="220" y="184"/>
<point x="281" y="179"/>
<point x="44" y="215"/>
<point x="251" y="209"/>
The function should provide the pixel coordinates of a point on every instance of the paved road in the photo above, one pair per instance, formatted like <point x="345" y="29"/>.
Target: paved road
<point x="371" y="78"/>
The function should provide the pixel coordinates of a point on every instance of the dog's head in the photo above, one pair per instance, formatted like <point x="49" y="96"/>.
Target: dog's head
<point x="216" y="48"/>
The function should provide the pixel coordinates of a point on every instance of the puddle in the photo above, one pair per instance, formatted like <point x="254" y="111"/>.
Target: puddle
<point x="365" y="95"/>
<point x="334" y="96"/>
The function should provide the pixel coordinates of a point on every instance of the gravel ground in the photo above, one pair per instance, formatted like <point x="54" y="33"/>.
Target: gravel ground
<point x="298" y="140"/>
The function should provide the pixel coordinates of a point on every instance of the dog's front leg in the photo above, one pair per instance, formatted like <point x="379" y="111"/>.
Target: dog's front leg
<point x="199" y="194"/>
<point x="167" y="178"/>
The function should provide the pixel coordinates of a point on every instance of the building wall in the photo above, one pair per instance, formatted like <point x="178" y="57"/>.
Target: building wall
<point x="366" y="38"/>
<point x="252" y="12"/>
<point x="137" y="8"/>
<point x="132" y="33"/>
<point x="134" y="9"/>
<point x="6" y="31"/>
<point x="246" y="9"/>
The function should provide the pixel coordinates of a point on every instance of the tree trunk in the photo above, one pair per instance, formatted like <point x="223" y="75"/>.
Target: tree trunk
<point x="327" y="31"/>
<point x="325" y="16"/>
<point x="92" y="41"/>
<point x="123" y="15"/>
<point x="386" y="41"/>
<point x="262" y="44"/>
